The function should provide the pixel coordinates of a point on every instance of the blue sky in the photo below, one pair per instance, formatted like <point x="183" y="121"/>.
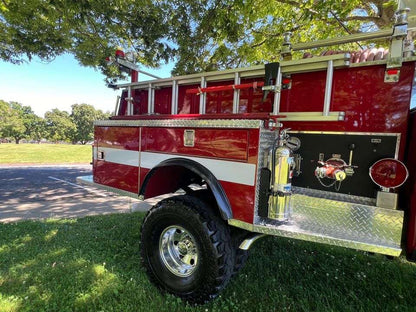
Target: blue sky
<point x="59" y="84"/>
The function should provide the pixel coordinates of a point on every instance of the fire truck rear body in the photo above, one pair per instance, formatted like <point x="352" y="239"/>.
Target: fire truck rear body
<point x="373" y="115"/>
<point x="312" y="149"/>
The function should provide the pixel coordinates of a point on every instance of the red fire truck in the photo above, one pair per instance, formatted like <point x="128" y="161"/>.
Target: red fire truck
<point x="319" y="149"/>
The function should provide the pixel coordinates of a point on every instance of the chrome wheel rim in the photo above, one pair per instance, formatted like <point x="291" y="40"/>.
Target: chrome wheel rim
<point x="178" y="251"/>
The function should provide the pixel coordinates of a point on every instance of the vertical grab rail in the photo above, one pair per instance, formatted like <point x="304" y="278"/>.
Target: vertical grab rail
<point x="117" y="105"/>
<point x="174" y="107"/>
<point x="236" y="95"/>
<point x="203" y="96"/>
<point x="150" y="100"/>
<point x="129" y="102"/>
<point x="328" y="88"/>
<point x="278" y="86"/>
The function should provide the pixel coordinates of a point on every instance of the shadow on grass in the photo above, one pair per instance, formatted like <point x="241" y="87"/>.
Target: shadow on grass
<point x="93" y="264"/>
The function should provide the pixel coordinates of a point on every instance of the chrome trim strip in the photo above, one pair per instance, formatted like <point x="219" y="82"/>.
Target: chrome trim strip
<point x="88" y="180"/>
<point x="180" y="123"/>
<point x="266" y="141"/>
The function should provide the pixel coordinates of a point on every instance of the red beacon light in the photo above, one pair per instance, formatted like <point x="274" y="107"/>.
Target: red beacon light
<point x="388" y="173"/>
<point x="120" y="53"/>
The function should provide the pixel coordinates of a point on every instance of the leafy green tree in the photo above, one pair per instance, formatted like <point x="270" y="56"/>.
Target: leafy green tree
<point x="59" y="125"/>
<point x="239" y="33"/>
<point x="29" y="118"/>
<point x="91" y="30"/>
<point x="198" y="35"/>
<point x="83" y="116"/>
<point x="37" y="128"/>
<point x="15" y="120"/>
<point x="3" y="114"/>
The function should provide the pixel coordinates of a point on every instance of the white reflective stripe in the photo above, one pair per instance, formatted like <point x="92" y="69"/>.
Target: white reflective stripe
<point x="120" y="156"/>
<point x="224" y="170"/>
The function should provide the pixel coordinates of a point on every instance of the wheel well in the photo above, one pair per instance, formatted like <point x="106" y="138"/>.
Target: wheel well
<point x="178" y="173"/>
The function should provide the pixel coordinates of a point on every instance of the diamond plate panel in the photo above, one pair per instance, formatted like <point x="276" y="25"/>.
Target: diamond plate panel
<point x="338" y="223"/>
<point x="342" y="220"/>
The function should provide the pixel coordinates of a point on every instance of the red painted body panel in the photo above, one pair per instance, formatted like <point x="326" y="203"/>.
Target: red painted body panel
<point x="118" y="137"/>
<point x="242" y="199"/>
<point x="118" y="176"/>
<point x="211" y="143"/>
<point x="410" y="188"/>
<point x="115" y="175"/>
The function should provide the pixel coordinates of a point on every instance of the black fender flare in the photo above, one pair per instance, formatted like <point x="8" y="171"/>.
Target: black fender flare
<point x="201" y="171"/>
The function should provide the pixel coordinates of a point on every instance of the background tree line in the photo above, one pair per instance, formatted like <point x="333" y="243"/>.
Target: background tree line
<point x="18" y="122"/>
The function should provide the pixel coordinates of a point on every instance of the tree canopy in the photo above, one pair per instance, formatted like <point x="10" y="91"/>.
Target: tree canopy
<point x="196" y="35"/>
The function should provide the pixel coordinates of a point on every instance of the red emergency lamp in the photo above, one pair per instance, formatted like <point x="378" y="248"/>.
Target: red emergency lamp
<point x="119" y="53"/>
<point x="389" y="173"/>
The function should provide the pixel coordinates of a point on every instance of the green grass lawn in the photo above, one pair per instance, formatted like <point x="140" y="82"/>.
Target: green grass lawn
<point x="11" y="153"/>
<point x="93" y="264"/>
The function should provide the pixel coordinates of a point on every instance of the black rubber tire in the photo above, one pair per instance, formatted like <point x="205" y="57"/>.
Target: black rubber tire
<point x="214" y="248"/>
<point x="241" y="256"/>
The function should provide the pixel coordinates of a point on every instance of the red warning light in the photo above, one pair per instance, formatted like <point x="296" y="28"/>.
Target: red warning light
<point x="119" y="53"/>
<point x="389" y="173"/>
